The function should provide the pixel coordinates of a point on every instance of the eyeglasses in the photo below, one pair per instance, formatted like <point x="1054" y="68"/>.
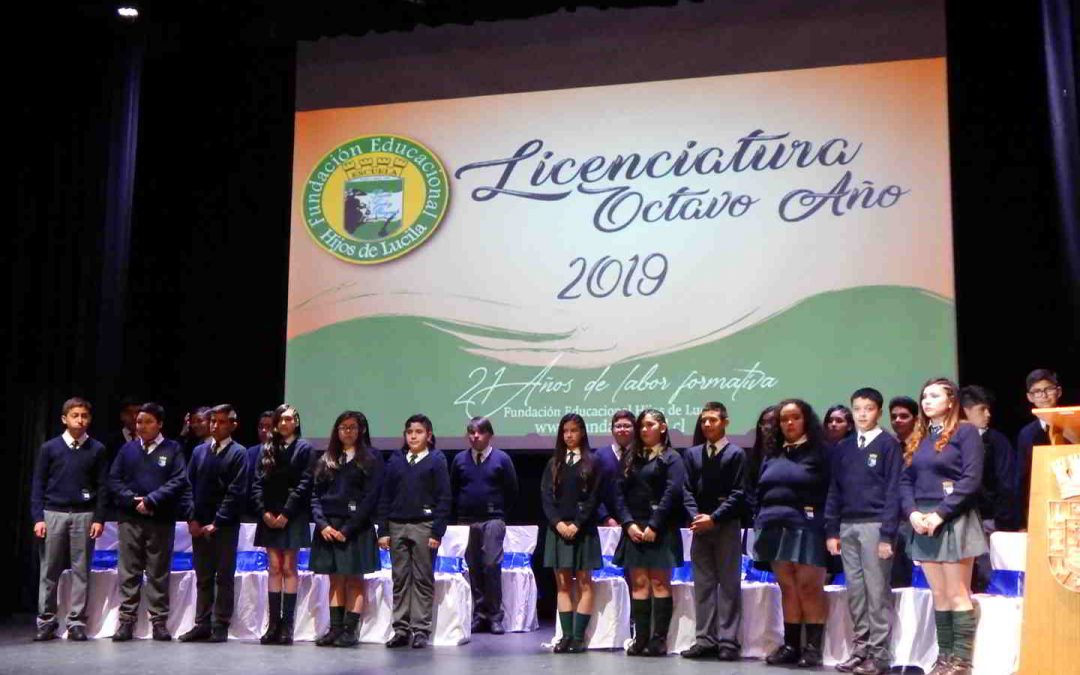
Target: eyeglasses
<point x="623" y="427"/>
<point x="1040" y="393"/>
<point x="351" y="427"/>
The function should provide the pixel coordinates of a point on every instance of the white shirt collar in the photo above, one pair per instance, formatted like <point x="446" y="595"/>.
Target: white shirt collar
<point x="617" y="450"/>
<point x="69" y="439"/>
<point x="1043" y="423"/>
<point x="573" y="455"/>
<point x="868" y="435"/>
<point x="656" y="450"/>
<point x="153" y="444"/>
<point x="484" y="454"/>
<point x="720" y="444"/>
<point x="419" y="456"/>
<point x="349" y="454"/>
<point x="221" y="445"/>
<point x="797" y="443"/>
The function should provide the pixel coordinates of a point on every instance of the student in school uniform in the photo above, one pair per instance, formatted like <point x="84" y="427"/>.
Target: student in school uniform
<point x="67" y="503"/>
<point x="129" y="410"/>
<point x="414" y="509"/>
<point x="755" y="457"/>
<point x="571" y="489"/>
<point x="790" y="529"/>
<point x="838" y="424"/>
<point x="484" y="485"/>
<point x="282" y="494"/>
<point x="345" y="494"/>
<point x="903" y="413"/>
<point x="609" y="459"/>
<point x="148" y="483"/>
<point x="1043" y="391"/>
<point x="650" y="491"/>
<point x="715" y="500"/>
<point x="939" y="490"/>
<point x="218" y="477"/>
<point x="861" y="520"/>
<point x="264" y="432"/>
<point x="196" y="430"/>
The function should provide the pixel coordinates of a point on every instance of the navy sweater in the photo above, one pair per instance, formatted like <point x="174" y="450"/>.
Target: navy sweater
<point x="960" y="463"/>
<point x="218" y="484"/>
<point x="577" y="498"/>
<point x="160" y="477"/>
<point x="717" y="486"/>
<point x="793" y="487"/>
<point x="609" y="465"/>
<point x="252" y="461"/>
<point x="415" y="493"/>
<point x="998" y="500"/>
<point x="1031" y="435"/>
<point x="70" y="480"/>
<point x="652" y="492"/>
<point x="286" y="488"/>
<point x="351" y="492"/>
<point x="485" y="491"/>
<point x="865" y="485"/>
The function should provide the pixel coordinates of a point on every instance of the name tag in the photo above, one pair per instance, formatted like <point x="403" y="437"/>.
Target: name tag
<point x="808" y="511"/>
<point x="947" y="486"/>
<point x="162" y="460"/>
<point x="871" y="460"/>
<point x="86" y="495"/>
<point x="352" y="507"/>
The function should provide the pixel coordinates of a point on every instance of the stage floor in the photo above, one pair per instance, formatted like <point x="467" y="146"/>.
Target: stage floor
<point x="515" y="654"/>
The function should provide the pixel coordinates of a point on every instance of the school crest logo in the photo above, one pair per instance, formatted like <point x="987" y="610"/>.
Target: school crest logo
<point x="871" y="460"/>
<point x="375" y="198"/>
<point x="1063" y="524"/>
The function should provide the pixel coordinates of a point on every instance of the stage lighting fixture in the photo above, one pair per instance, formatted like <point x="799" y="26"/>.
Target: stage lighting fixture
<point x="128" y="13"/>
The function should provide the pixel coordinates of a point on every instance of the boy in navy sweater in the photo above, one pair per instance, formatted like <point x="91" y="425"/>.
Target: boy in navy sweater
<point x="484" y="485"/>
<point x="148" y="482"/>
<point x="861" y="521"/>
<point x="1043" y="391"/>
<point x="67" y="502"/>
<point x="263" y="431"/>
<point x="414" y="507"/>
<point x="218" y="477"/>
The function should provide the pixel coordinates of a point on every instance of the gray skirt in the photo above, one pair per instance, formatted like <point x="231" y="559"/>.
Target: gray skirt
<point x="959" y="538"/>
<point x="789" y="544"/>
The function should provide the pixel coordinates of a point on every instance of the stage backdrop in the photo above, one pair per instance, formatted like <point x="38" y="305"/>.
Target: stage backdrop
<point x="738" y="238"/>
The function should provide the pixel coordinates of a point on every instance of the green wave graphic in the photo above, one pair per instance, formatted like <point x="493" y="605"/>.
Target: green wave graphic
<point x="822" y="349"/>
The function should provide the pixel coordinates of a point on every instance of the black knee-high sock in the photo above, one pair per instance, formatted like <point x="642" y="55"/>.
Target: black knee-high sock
<point x="793" y="635"/>
<point x="288" y="607"/>
<point x="337" y="617"/>
<point x="663" y="608"/>
<point x="814" y="635"/>
<point x="274" y="605"/>
<point x="641" y="613"/>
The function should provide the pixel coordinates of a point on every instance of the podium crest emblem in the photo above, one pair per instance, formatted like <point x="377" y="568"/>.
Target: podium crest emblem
<point x="1063" y="524"/>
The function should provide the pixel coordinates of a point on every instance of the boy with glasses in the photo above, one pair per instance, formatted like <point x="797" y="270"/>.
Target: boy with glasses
<point x="1043" y="391"/>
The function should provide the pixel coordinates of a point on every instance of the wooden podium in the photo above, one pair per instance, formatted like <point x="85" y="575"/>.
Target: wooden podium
<point x="1051" y="624"/>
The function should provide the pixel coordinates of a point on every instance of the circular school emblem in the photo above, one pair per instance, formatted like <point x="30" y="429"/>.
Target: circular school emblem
<point x="375" y="198"/>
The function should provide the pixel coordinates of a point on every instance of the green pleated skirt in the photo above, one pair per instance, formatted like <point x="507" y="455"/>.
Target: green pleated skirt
<point x="664" y="553"/>
<point x="356" y="556"/>
<point x="790" y="544"/>
<point x="582" y="553"/>
<point x="956" y="539"/>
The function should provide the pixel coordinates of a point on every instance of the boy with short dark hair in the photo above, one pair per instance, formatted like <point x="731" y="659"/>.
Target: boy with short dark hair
<point x="67" y="503"/>
<point x="149" y="485"/>
<point x="861" y="521"/>
<point x="263" y="429"/>
<point x="1043" y="391"/>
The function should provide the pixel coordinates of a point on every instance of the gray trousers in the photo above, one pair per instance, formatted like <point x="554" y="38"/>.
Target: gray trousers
<point x="67" y="543"/>
<point x="716" y="558"/>
<point x="484" y="556"/>
<point x="412" y="568"/>
<point x="869" y="591"/>
<point x="215" y="574"/>
<point x="144" y="546"/>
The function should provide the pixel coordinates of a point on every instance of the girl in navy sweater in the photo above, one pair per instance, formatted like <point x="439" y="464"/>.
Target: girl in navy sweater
<point x="345" y="493"/>
<point x="790" y="527"/>
<point x="939" y="488"/>
<point x="650" y="492"/>
<point x="839" y="423"/>
<point x="570" y="489"/>
<point x="282" y="492"/>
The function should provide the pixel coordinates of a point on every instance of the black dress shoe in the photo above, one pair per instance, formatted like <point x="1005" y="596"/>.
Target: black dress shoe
<point x="871" y="667"/>
<point x="657" y="646"/>
<point x="728" y="653"/>
<point x="479" y="626"/>
<point x="398" y="640"/>
<point x="697" y="651"/>
<point x="219" y="633"/>
<point x="497" y="628"/>
<point x="811" y="657"/>
<point x="851" y="663"/>
<point x="77" y="634"/>
<point x="46" y="633"/>
<point x="576" y="647"/>
<point x="419" y="641"/>
<point x="125" y="630"/>
<point x="328" y="638"/>
<point x="270" y="637"/>
<point x="285" y="633"/>
<point x="562" y="646"/>
<point x="198" y="633"/>
<point x="783" y="654"/>
<point x="161" y="633"/>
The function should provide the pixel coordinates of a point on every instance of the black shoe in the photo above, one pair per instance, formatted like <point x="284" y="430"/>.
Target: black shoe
<point x="198" y="633"/>
<point x="943" y="665"/>
<point x="419" y="641"/>
<point x="479" y="626"/>
<point x="219" y="633"/>
<point x="348" y="637"/>
<point x="871" y="667"/>
<point x="811" y="657"/>
<point x="77" y="634"/>
<point x="399" y="640"/>
<point x="697" y="651"/>
<point x="46" y="633"/>
<point x="285" y="631"/>
<point x="728" y="653"/>
<point x="270" y="637"/>
<point x="637" y="647"/>
<point x="562" y="646"/>
<point x="851" y="663"/>
<point x="497" y="628"/>
<point x="657" y="646"/>
<point x="328" y="638"/>
<point x="160" y="632"/>
<point x="125" y="630"/>
<point x="783" y="654"/>
<point x="576" y="646"/>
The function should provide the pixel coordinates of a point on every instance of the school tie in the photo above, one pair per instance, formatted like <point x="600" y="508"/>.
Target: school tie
<point x="75" y="444"/>
<point x="571" y="459"/>
<point x="214" y="448"/>
<point x="479" y="457"/>
<point x="412" y="459"/>
<point x="712" y="450"/>
<point x="862" y="441"/>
